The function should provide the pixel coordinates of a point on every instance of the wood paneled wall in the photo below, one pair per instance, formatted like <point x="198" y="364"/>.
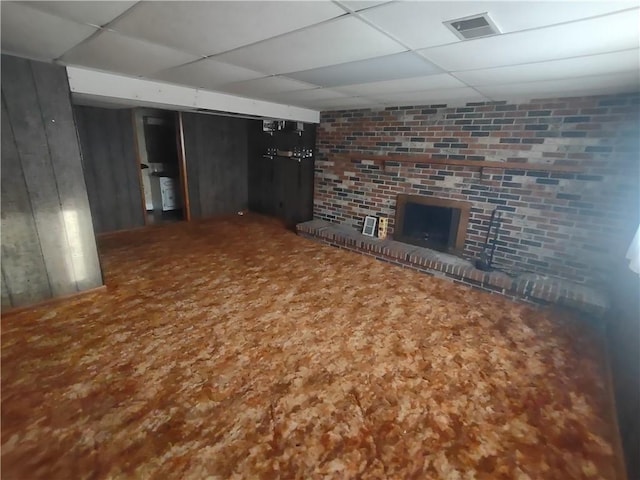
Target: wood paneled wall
<point x="281" y="186"/>
<point x="111" y="168"/>
<point x="48" y="244"/>
<point x="216" y="152"/>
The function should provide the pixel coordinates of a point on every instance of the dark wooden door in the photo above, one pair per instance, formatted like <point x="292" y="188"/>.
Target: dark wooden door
<point x="216" y="157"/>
<point x="111" y="169"/>
<point x="282" y="186"/>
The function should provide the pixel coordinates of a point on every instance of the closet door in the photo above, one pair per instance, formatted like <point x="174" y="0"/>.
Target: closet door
<point x="216" y="156"/>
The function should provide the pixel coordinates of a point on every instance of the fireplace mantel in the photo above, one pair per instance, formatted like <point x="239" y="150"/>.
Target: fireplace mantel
<point x="428" y="159"/>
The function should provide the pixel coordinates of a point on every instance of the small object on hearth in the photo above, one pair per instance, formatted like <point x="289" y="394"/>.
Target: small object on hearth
<point x="369" y="227"/>
<point x="383" y="224"/>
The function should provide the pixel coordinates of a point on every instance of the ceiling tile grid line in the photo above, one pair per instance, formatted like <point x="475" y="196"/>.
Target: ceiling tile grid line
<point x="568" y="22"/>
<point x="216" y="56"/>
<point x="342" y="40"/>
<point x="590" y="36"/>
<point x="94" y="14"/>
<point x="621" y="61"/>
<point x="348" y="51"/>
<point x="114" y="52"/>
<point x="285" y="31"/>
<point x="539" y="62"/>
<point x="629" y="55"/>
<point x="393" y="37"/>
<point x="36" y="34"/>
<point x="427" y="18"/>
<point x="97" y="32"/>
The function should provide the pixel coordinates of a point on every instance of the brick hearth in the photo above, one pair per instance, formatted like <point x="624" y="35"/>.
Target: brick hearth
<point x="533" y="288"/>
<point x="573" y="225"/>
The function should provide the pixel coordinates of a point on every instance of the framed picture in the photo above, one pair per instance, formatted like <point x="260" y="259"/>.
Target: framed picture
<point x="369" y="227"/>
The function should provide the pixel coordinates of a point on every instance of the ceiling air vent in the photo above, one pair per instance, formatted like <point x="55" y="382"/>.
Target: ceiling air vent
<point x="475" y="26"/>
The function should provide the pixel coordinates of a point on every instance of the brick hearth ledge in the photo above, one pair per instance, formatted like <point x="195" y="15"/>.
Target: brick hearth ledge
<point x="530" y="287"/>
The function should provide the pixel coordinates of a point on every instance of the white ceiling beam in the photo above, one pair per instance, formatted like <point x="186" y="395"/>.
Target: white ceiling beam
<point x="163" y="95"/>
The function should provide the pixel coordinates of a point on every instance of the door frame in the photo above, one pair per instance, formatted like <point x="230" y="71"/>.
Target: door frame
<point x="182" y="165"/>
<point x="136" y="144"/>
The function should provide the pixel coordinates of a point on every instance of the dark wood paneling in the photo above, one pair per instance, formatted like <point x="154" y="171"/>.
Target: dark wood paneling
<point x="66" y="161"/>
<point x="110" y="167"/>
<point x="48" y="246"/>
<point x="216" y="151"/>
<point x="282" y="186"/>
<point x="23" y="265"/>
<point x="31" y="140"/>
<point x="6" y="299"/>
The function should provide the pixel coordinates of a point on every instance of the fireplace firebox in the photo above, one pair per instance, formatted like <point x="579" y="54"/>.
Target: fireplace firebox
<point x="435" y="223"/>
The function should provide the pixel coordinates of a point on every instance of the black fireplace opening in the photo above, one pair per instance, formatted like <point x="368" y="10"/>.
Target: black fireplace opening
<point x="430" y="226"/>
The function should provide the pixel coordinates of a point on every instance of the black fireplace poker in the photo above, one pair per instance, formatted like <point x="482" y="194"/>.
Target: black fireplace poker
<point x="485" y="261"/>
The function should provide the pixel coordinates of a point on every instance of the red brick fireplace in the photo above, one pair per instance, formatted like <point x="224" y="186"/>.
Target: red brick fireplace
<point x="430" y="222"/>
<point x="568" y="190"/>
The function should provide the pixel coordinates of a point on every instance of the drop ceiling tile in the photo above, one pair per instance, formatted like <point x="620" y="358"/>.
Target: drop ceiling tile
<point x="588" y="37"/>
<point x="625" y="61"/>
<point x="592" y="85"/>
<point x="429" y="82"/>
<point x="266" y="87"/>
<point x="339" y="41"/>
<point x="361" y="5"/>
<point x="116" y="53"/>
<point x="94" y="13"/>
<point x="419" y="24"/>
<point x="309" y="96"/>
<point x="38" y="35"/>
<point x="457" y="96"/>
<point x="342" y="103"/>
<point x="207" y="28"/>
<point x="207" y="73"/>
<point x="399" y="65"/>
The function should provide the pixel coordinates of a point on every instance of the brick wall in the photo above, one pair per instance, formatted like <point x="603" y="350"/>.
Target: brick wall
<point x="570" y="225"/>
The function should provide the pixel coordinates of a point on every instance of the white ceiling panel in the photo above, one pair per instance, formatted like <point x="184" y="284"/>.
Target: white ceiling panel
<point x="419" y="24"/>
<point x="310" y="96"/>
<point x="625" y="61"/>
<point x="339" y="41"/>
<point x="93" y="13"/>
<point x="619" y="82"/>
<point x="430" y="82"/>
<point x="454" y="96"/>
<point x="399" y="65"/>
<point x="116" y="53"/>
<point x="342" y="103"/>
<point x="313" y="53"/>
<point x="31" y="33"/>
<point x="266" y="87"/>
<point x="361" y="5"/>
<point x="588" y="37"/>
<point x="207" y="28"/>
<point x="207" y="73"/>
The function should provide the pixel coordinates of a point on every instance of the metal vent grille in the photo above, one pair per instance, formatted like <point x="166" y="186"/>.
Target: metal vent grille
<point x="475" y="26"/>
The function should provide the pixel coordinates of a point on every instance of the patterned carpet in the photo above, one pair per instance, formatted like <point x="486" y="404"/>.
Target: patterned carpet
<point x="235" y="349"/>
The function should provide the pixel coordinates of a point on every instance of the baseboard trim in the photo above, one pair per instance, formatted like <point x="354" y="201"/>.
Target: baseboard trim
<point x="124" y="230"/>
<point x="53" y="301"/>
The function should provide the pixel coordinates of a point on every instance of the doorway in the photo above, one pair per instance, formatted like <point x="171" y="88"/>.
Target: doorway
<point x="159" y="163"/>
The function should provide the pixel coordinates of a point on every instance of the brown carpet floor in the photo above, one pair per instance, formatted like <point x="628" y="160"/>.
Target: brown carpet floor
<point x="235" y="349"/>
